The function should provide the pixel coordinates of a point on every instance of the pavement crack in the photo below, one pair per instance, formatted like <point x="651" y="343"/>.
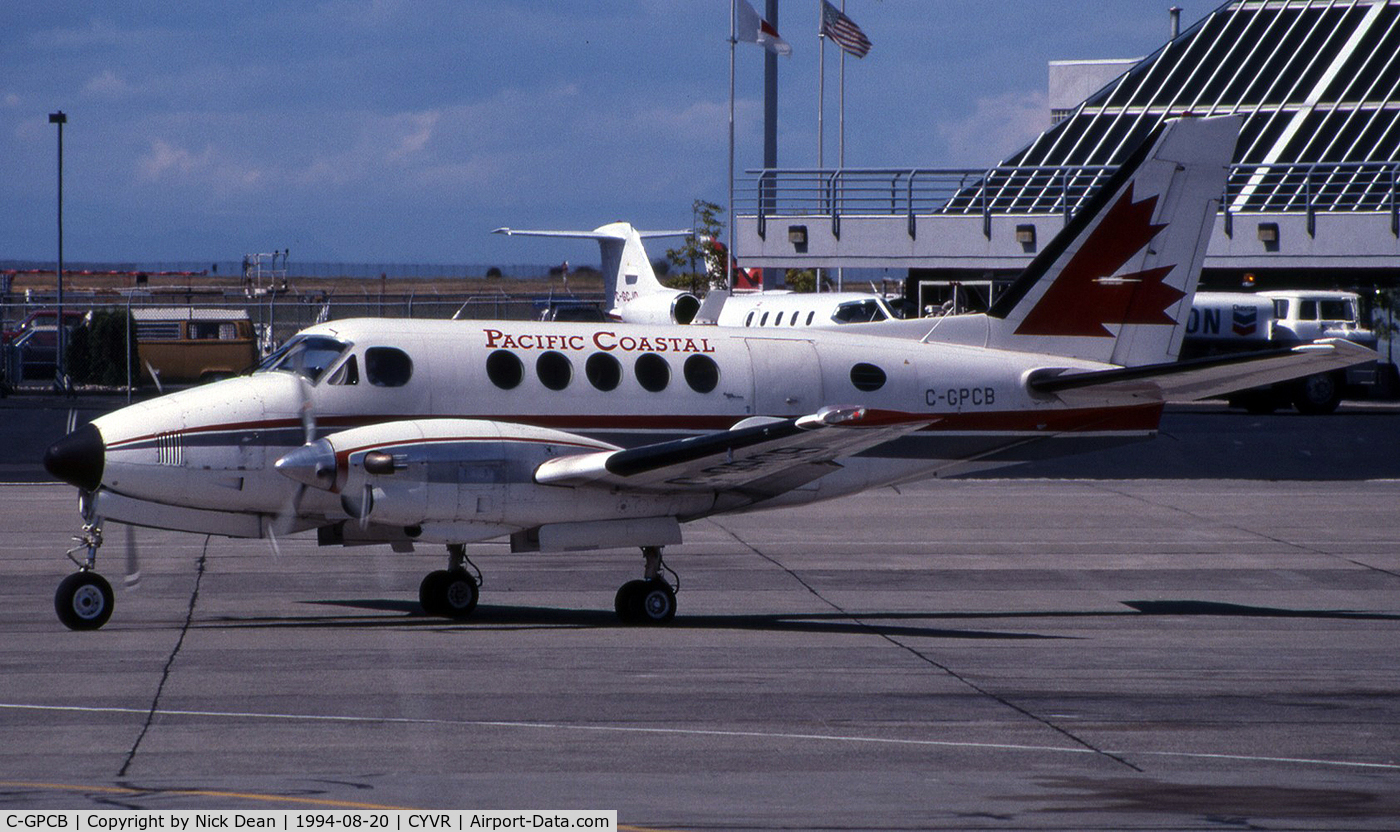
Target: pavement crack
<point x="927" y="659"/>
<point x="169" y="662"/>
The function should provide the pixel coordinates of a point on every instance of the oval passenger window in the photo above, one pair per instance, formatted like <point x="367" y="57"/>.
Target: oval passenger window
<point x="867" y="377"/>
<point x="504" y="369"/>
<point x="653" y="373"/>
<point x="604" y="372"/>
<point x="554" y="369"/>
<point x="388" y="367"/>
<point x="701" y="373"/>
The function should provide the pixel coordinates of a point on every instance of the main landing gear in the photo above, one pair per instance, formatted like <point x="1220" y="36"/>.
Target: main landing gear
<point x="84" y="599"/>
<point x="651" y="600"/>
<point x="451" y="592"/>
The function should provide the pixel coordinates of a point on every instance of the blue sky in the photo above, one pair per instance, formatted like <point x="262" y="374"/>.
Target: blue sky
<point x="405" y="130"/>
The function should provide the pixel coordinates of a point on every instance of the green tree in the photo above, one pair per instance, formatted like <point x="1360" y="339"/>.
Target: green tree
<point x="694" y="254"/>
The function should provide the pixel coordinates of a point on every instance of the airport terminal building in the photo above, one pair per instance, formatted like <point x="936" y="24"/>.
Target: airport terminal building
<point x="1311" y="201"/>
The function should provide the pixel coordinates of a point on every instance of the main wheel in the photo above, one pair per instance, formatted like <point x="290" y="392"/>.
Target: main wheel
<point x="627" y="603"/>
<point x="83" y="601"/>
<point x="452" y="593"/>
<point x="459" y="593"/>
<point x="645" y="602"/>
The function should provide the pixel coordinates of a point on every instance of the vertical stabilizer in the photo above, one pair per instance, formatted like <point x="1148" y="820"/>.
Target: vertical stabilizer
<point x="1116" y="284"/>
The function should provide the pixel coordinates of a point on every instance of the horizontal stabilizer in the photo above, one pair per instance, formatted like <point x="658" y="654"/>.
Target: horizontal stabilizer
<point x="607" y="232"/>
<point x="1200" y="378"/>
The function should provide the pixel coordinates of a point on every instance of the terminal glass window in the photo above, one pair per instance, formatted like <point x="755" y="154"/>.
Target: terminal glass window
<point x="504" y="369"/>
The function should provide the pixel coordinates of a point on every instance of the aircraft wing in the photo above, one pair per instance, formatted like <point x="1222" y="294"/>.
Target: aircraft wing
<point x="1205" y="377"/>
<point x="759" y="457"/>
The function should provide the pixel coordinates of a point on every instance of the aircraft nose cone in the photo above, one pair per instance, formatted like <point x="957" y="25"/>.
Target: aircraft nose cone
<point x="78" y="458"/>
<point x="312" y="464"/>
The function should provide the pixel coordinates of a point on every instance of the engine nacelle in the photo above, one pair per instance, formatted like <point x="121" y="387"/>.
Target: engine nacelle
<point x="463" y="479"/>
<point x="661" y="308"/>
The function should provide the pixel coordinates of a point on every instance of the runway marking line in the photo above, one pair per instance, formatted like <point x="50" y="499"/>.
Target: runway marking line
<point x="702" y="732"/>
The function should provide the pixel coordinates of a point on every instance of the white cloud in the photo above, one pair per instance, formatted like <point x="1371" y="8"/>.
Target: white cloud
<point x="998" y="126"/>
<point x="107" y="85"/>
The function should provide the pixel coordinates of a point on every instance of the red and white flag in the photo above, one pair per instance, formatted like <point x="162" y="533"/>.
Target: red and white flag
<point x="750" y="28"/>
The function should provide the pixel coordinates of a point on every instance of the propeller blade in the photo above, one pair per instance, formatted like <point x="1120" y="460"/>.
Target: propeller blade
<point x="133" y="559"/>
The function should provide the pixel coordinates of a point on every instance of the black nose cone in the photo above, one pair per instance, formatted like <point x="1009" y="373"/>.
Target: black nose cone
<point x="77" y="458"/>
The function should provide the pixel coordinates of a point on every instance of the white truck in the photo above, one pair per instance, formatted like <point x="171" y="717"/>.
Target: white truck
<point x="1226" y="322"/>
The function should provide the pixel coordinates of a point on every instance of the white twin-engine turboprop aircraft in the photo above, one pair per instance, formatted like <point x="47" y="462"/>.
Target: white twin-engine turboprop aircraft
<point x="575" y="436"/>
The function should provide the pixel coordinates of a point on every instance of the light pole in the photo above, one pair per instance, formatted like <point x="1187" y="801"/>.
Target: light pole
<point x="60" y="378"/>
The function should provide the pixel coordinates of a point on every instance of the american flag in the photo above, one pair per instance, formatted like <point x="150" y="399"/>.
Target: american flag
<point x="844" y="31"/>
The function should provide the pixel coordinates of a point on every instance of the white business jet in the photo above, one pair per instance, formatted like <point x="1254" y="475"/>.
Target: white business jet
<point x="634" y="295"/>
<point x="562" y="436"/>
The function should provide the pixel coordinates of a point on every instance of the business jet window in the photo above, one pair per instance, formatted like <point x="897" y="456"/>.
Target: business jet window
<point x="305" y="355"/>
<point x="554" y="370"/>
<point x="867" y="377"/>
<point x="701" y="373"/>
<point x="604" y="371"/>
<point x="504" y="369"/>
<point x="653" y="373"/>
<point x="748" y="321"/>
<point x="810" y="316"/>
<point x="858" y="312"/>
<point x="388" y="367"/>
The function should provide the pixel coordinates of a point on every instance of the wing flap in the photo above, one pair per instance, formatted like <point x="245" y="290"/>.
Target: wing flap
<point x="745" y="455"/>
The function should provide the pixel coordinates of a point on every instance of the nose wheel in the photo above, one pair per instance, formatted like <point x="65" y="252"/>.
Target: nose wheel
<point x="84" y="599"/>
<point x="651" y="600"/>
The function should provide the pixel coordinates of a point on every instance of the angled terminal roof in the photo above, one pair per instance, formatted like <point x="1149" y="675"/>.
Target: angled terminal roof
<point x="1318" y="82"/>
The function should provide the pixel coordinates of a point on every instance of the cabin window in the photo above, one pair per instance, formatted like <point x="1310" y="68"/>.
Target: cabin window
<point x="653" y="373"/>
<point x="778" y="321"/>
<point x="1307" y="310"/>
<point x="305" y="355"/>
<point x="504" y="369"/>
<point x="348" y="374"/>
<point x="701" y="373"/>
<point x="604" y="371"/>
<point x="387" y="367"/>
<point x="748" y="321"/>
<point x="867" y="377"/>
<point x="764" y="320"/>
<point x="858" y="312"/>
<point x="1281" y="308"/>
<point x="810" y="317"/>
<point x="554" y="369"/>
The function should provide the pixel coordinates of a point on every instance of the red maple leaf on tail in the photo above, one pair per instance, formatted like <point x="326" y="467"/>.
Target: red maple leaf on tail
<point x="1088" y="294"/>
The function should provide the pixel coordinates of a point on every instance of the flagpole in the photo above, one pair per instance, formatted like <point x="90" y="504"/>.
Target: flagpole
<point x="841" y="134"/>
<point x="733" y="41"/>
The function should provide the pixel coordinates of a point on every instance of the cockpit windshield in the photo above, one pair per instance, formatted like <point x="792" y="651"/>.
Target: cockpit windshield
<point x="305" y="355"/>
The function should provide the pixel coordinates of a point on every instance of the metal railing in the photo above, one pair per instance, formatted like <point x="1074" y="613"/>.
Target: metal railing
<point x="1040" y="190"/>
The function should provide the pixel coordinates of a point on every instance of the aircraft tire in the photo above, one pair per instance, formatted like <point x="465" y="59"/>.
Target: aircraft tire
<point x="645" y="602"/>
<point x="656" y="602"/>
<point x="432" y="593"/>
<point x="83" y="601"/>
<point x="459" y="594"/>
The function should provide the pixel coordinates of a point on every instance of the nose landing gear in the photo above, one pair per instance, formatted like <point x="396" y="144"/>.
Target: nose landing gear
<point x="84" y="599"/>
